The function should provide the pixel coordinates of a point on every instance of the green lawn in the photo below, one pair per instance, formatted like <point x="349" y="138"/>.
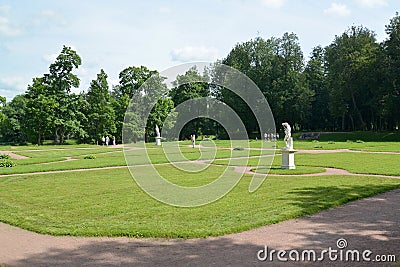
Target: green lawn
<point x="107" y="157"/>
<point x="109" y="203"/>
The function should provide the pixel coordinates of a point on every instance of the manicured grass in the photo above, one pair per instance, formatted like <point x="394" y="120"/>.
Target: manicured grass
<point x="66" y="152"/>
<point x="366" y="146"/>
<point x="107" y="157"/>
<point x="367" y="163"/>
<point x="361" y="135"/>
<point x="299" y="170"/>
<point x="109" y="203"/>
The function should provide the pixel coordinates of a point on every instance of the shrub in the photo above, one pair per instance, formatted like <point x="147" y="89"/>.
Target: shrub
<point x="331" y="142"/>
<point x="5" y="156"/>
<point x="5" y="163"/>
<point x="89" y="157"/>
<point x="359" y="141"/>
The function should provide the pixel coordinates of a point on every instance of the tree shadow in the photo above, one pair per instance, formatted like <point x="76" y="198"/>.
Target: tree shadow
<point x="371" y="224"/>
<point x="135" y="252"/>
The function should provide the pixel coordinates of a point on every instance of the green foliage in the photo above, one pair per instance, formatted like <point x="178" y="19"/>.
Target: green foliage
<point x="12" y="127"/>
<point x="100" y="116"/>
<point x="351" y="60"/>
<point x="130" y="81"/>
<point x="192" y="85"/>
<point x="6" y="163"/>
<point x="5" y="156"/>
<point x="89" y="157"/>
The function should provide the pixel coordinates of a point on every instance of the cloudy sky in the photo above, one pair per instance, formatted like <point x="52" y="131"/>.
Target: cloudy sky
<point x="160" y="34"/>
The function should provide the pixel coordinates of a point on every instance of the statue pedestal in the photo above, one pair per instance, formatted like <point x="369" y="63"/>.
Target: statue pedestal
<point x="288" y="156"/>
<point x="288" y="159"/>
<point x="158" y="141"/>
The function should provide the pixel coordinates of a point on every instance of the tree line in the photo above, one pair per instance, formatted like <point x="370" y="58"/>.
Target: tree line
<point x="351" y="84"/>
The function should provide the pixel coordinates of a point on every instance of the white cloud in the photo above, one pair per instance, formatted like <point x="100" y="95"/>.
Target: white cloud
<point x="5" y="8"/>
<point x="48" y="18"/>
<point x="7" y="29"/>
<point x="273" y="3"/>
<point x="165" y="10"/>
<point x="13" y="83"/>
<point x="50" y="58"/>
<point x="338" y="10"/>
<point x="372" y="3"/>
<point x="193" y="53"/>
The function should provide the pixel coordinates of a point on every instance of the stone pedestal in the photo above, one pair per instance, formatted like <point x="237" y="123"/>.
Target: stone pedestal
<point x="288" y="156"/>
<point x="158" y="141"/>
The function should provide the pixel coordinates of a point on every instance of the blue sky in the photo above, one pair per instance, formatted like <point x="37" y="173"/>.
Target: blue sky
<point x="160" y="34"/>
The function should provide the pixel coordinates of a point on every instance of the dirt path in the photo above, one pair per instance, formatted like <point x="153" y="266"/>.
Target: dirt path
<point x="372" y="223"/>
<point x="12" y="155"/>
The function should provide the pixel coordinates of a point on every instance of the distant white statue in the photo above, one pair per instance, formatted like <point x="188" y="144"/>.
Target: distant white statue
<point x="157" y="131"/>
<point x="288" y="135"/>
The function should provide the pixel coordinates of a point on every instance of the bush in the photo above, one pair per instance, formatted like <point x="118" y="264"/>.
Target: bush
<point x="5" y="163"/>
<point x="89" y="157"/>
<point x="5" y="156"/>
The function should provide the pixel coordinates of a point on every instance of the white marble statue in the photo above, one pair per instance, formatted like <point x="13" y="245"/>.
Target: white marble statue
<point x="288" y="135"/>
<point x="157" y="131"/>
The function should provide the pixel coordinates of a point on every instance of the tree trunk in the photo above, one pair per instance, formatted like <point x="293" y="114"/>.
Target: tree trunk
<point x="61" y="135"/>
<point x="55" y="138"/>
<point x="343" y="121"/>
<point x="352" y="122"/>
<point x="39" y="137"/>
<point x="356" y="109"/>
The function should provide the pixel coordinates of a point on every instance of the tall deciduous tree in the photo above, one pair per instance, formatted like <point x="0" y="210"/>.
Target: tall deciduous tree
<point x="276" y="66"/>
<point x="99" y="112"/>
<point x="350" y="62"/>
<point x="130" y="80"/>
<point x="392" y="95"/>
<point x="316" y="82"/>
<point x="15" y="118"/>
<point x="39" y="110"/>
<point x="61" y="80"/>
<point x="192" y="85"/>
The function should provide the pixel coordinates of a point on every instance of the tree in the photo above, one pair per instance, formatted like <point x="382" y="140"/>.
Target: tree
<point x="61" y="80"/>
<point x="12" y="126"/>
<point x="191" y="85"/>
<point x="130" y="80"/>
<point x="276" y="66"/>
<point x="99" y="112"/>
<point x="350" y="60"/>
<point x="39" y="110"/>
<point x="316" y="81"/>
<point x="391" y="97"/>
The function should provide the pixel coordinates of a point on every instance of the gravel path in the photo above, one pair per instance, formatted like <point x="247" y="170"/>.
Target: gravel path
<point x="372" y="223"/>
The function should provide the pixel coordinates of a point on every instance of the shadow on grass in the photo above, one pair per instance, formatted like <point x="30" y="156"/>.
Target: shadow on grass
<point x="369" y="224"/>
